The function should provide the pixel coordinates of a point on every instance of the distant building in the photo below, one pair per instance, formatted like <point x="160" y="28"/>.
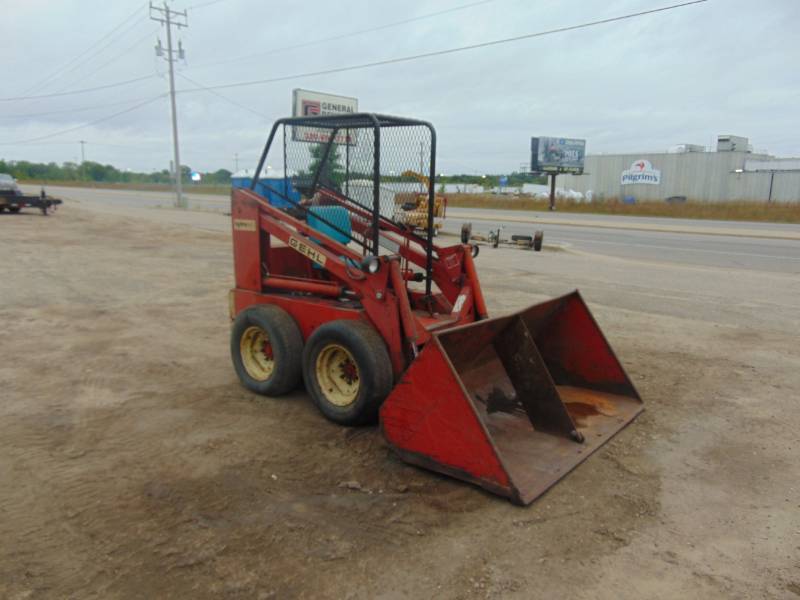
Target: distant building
<point x="460" y="188"/>
<point x="729" y="174"/>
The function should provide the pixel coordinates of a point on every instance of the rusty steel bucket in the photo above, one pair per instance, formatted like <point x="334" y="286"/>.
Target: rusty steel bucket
<point x="513" y="403"/>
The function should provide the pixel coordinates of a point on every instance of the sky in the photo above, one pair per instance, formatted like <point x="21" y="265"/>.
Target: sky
<point x="638" y="85"/>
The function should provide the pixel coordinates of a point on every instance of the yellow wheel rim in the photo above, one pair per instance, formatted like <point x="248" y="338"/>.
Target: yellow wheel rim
<point x="256" y="352"/>
<point x="337" y="375"/>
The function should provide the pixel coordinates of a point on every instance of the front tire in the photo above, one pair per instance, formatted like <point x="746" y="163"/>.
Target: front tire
<point x="347" y="371"/>
<point x="267" y="349"/>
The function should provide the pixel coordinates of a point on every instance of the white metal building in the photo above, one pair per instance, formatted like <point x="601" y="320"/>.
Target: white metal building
<point x="731" y="173"/>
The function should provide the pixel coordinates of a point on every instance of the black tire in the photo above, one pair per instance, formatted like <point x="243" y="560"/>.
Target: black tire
<point x="285" y="343"/>
<point x="14" y="209"/>
<point x="2" y="208"/>
<point x="466" y="233"/>
<point x="538" y="239"/>
<point x="373" y="375"/>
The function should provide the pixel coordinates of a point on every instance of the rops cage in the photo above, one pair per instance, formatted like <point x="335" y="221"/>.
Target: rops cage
<point x="372" y="169"/>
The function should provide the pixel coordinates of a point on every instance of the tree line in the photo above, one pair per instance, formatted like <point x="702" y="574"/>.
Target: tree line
<point x="97" y="172"/>
<point x="334" y="171"/>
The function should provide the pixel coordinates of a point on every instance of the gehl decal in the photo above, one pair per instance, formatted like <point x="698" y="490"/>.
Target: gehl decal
<point x="307" y="250"/>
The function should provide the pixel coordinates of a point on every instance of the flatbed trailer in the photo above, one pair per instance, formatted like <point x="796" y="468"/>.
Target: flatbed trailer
<point x="14" y="203"/>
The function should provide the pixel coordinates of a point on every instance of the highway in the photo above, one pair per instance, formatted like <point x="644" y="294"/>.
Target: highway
<point x="767" y="247"/>
<point x="743" y="251"/>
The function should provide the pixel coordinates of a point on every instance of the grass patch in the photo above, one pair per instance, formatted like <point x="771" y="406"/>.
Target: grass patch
<point x="188" y="188"/>
<point x="776" y="212"/>
<point x="784" y="212"/>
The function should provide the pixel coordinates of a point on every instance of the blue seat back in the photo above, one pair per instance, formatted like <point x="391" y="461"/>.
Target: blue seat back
<point x="337" y="215"/>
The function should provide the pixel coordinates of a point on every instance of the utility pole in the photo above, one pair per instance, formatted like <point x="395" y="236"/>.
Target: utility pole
<point x="236" y="161"/>
<point x="83" y="154"/>
<point x="171" y="18"/>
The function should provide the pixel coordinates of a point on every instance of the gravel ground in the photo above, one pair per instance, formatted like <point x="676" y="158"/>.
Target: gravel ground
<point x="133" y="465"/>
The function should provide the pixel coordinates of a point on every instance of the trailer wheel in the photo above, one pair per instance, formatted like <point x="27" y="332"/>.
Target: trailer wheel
<point x="538" y="238"/>
<point x="266" y="349"/>
<point x="14" y="209"/>
<point x="347" y="371"/>
<point x="466" y="233"/>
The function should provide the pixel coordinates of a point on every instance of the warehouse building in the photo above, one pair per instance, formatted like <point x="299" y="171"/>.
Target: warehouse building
<point x="731" y="173"/>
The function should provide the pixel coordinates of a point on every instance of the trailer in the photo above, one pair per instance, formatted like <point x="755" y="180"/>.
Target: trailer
<point x="14" y="201"/>
<point x="495" y="239"/>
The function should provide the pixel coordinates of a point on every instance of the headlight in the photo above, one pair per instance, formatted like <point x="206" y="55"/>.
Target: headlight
<point x="370" y="264"/>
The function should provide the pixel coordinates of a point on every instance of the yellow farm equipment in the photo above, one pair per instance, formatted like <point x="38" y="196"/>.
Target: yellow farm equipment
<point x="412" y="209"/>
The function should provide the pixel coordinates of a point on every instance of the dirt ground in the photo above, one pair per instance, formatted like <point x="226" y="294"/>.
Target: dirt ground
<point x="133" y="464"/>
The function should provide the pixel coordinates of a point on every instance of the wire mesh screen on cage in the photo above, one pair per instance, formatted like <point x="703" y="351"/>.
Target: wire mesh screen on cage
<point x="380" y="168"/>
<point x="397" y="158"/>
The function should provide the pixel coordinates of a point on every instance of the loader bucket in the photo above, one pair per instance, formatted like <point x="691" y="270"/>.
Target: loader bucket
<point x="513" y="403"/>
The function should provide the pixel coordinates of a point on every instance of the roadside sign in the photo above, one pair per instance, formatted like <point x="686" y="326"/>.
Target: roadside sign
<point x="557" y="155"/>
<point x="306" y="103"/>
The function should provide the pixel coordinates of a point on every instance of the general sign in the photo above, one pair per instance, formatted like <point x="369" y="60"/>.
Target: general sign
<point x="306" y="103"/>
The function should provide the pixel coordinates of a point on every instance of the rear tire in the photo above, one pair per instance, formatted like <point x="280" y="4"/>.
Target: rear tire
<point x="347" y="371"/>
<point x="266" y="350"/>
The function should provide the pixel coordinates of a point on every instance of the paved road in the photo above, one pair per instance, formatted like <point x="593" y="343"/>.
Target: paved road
<point x="720" y="244"/>
<point x="728" y="251"/>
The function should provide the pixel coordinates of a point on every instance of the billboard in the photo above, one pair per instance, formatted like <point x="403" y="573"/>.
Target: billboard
<point x="557" y="155"/>
<point x="306" y="103"/>
<point x="641" y="171"/>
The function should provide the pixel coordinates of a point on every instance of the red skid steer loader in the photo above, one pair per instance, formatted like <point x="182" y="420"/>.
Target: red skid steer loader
<point x="383" y="324"/>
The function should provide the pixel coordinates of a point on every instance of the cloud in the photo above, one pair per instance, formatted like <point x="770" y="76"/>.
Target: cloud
<point x="645" y="84"/>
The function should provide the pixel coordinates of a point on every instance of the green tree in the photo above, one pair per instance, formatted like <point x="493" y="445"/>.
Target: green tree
<point x="218" y="177"/>
<point x="332" y="172"/>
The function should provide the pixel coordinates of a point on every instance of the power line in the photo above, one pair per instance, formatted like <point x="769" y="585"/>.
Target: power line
<point x="89" y="124"/>
<point x="229" y="100"/>
<point x="71" y="110"/>
<point x="96" y="54"/>
<point x="377" y="63"/>
<point x="334" y="70"/>
<point x="204" y="4"/>
<point x="116" y="57"/>
<point x="403" y="59"/>
<point x="83" y="91"/>
<point x="341" y="36"/>
<point x="61" y="69"/>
